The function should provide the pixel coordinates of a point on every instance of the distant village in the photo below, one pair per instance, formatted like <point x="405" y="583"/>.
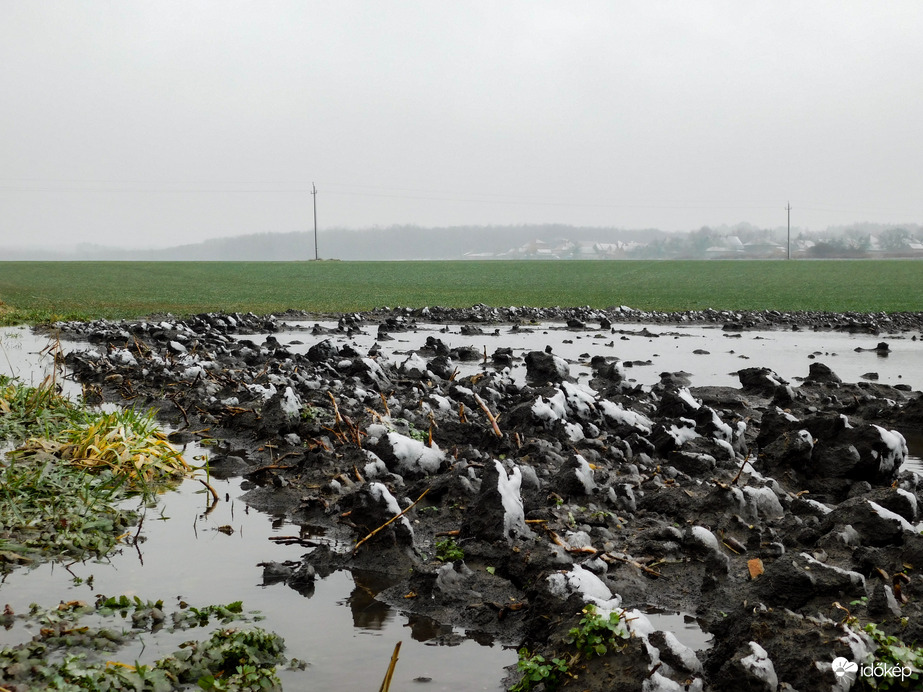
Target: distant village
<point x="527" y="242"/>
<point x="744" y="243"/>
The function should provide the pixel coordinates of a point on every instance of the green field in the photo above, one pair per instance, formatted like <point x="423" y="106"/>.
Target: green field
<point x="43" y="291"/>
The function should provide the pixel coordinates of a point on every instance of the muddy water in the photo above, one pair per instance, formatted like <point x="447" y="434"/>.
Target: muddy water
<point x="347" y="637"/>
<point x="709" y="354"/>
<point x="24" y="354"/>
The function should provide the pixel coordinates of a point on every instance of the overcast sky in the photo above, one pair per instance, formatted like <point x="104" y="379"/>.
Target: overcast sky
<point x="159" y="123"/>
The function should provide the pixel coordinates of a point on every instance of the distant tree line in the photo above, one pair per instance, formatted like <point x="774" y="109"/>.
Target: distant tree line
<point x="550" y="241"/>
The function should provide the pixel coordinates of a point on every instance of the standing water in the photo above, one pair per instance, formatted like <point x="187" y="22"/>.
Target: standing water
<point x="201" y="555"/>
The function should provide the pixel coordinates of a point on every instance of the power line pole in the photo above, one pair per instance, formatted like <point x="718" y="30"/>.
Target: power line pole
<point x="788" y="209"/>
<point x="314" y="195"/>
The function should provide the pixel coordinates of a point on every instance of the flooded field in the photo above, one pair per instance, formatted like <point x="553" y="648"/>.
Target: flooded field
<point x="710" y="355"/>
<point x="204" y="554"/>
<point x="188" y="553"/>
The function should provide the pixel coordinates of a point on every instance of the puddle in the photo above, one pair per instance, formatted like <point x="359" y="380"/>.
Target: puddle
<point x="345" y="635"/>
<point x="708" y="354"/>
<point x="685" y="626"/>
<point x="913" y="461"/>
<point x="21" y="354"/>
<point x="24" y="354"/>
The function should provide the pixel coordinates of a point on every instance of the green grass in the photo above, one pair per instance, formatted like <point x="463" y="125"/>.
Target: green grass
<point x="44" y="291"/>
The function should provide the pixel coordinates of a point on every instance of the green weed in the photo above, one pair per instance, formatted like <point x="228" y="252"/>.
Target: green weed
<point x="309" y="413"/>
<point x="594" y="635"/>
<point x="32" y="411"/>
<point x="447" y="550"/>
<point x="536" y="670"/>
<point x="893" y="652"/>
<point x="59" y="489"/>
<point x="64" y="655"/>
<point x="417" y="434"/>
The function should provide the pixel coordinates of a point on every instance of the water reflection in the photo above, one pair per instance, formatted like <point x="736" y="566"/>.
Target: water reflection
<point x="687" y="628"/>
<point x="914" y="462"/>
<point x="369" y="613"/>
<point x="425" y="629"/>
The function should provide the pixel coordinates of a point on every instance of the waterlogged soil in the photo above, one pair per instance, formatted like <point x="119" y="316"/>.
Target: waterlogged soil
<point x="729" y="482"/>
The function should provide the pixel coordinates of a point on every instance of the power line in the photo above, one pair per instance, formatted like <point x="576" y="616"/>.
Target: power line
<point x="377" y="191"/>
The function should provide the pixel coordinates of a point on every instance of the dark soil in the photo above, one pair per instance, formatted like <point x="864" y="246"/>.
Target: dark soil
<point x="667" y="497"/>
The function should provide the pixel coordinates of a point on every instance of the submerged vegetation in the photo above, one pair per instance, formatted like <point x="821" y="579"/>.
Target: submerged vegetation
<point x="63" y="473"/>
<point x="67" y="470"/>
<point x="48" y="291"/>
<point x="75" y="643"/>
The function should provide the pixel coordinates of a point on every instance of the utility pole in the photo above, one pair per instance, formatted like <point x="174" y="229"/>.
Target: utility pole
<point x="788" y="209"/>
<point x="314" y="195"/>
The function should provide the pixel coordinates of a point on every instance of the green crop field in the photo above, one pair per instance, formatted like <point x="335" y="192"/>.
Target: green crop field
<point x="43" y="291"/>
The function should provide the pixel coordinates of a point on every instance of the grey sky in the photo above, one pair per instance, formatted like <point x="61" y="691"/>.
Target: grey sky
<point x="157" y="123"/>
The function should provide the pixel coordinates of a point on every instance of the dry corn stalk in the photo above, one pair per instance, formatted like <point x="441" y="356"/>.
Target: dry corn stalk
<point x="490" y="416"/>
<point x="386" y="683"/>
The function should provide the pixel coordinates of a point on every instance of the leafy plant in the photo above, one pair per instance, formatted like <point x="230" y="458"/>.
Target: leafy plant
<point x="56" y="509"/>
<point x="893" y="652"/>
<point x="32" y="411"/>
<point x="417" y="434"/>
<point x="309" y="413"/>
<point x="447" y="550"/>
<point x="127" y="442"/>
<point x="222" y="613"/>
<point x="536" y="670"/>
<point x="49" y="503"/>
<point x="594" y="634"/>
<point x="64" y="655"/>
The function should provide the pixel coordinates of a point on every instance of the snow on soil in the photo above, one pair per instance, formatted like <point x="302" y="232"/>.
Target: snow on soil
<point x="414" y="455"/>
<point x="514" y="518"/>
<point x="380" y="492"/>
<point x="897" y="449"/>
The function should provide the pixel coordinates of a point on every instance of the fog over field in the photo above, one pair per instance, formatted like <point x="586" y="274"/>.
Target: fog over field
<point x="153" y="125"/>
<point x="523" y="241"/>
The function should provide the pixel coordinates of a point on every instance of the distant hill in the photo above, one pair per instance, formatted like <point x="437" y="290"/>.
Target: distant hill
<point x="550" y="241"/>
<point x="389" y="243"/>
